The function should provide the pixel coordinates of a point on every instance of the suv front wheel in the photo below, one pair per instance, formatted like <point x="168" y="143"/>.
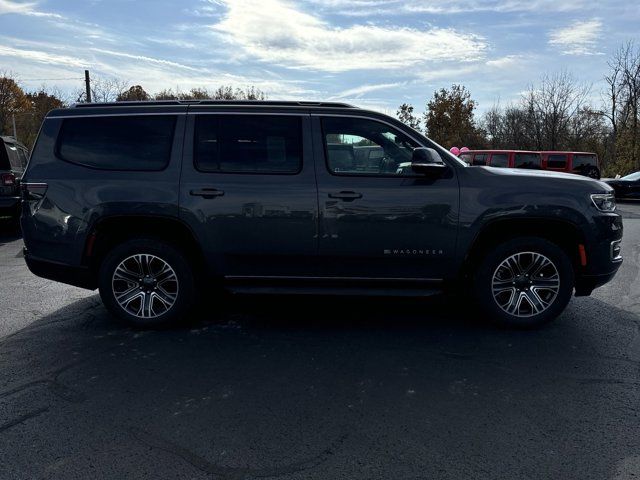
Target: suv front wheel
<point x="524" y="282"/>
<point x="147" y="282"/>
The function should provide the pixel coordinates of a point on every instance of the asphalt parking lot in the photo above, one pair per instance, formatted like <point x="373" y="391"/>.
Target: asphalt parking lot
<point x="318" y="388"/>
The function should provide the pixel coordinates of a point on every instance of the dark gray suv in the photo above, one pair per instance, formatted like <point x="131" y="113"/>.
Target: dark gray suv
<point x="157" y="204"/>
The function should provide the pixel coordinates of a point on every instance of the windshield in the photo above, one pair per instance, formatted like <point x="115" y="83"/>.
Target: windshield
<point x="632" y="176"/>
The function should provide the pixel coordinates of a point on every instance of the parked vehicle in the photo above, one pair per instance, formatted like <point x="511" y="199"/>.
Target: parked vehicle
<point x="157" y="203"/>
<point x="582" y="163"/>
<point x="627" y="187"/>
<point x="503" y="158"/>
<point x="13" y="160"/>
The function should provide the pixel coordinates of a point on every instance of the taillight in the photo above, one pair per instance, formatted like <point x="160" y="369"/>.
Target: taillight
<point x="8" y="179"/>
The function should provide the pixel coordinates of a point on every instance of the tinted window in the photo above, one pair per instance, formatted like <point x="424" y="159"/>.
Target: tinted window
<point x="24" y="157"/>
<point x="14" y="157"/>
<point x="557" y="161"/>
<point x="119" y="142"/>
<point x="500" y="160"/>
<point x="480" y="159"/>
<point x="582" y="161"/>
<point x="527" y="160"/>
<point x="632" y="177"/>
<point x="357" y="146"/>
<point x="466" y="157"/>
<point x="248" y="143"/>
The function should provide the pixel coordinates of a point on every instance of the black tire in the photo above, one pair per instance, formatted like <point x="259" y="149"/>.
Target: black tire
<point x="536" y="303"/>
<point x="158" y="254"/>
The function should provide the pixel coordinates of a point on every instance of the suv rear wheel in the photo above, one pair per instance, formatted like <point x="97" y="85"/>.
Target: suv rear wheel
<point x="147" y="282"/>
<point x="524" y="282"/>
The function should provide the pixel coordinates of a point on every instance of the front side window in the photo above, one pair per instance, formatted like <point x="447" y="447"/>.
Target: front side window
<point x="527" y="160"/>
<point x="500" y="160"/>
<point x="359" y="146"/>
<point x="141" y="142"/>
<point x="466" y="158"/>
<point x="557" y="161"/>
<point x="248" y="144"/>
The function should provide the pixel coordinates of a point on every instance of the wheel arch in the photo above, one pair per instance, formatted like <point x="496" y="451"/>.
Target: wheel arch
<point x="113" y="230"/>
<point x="567" y="235"/>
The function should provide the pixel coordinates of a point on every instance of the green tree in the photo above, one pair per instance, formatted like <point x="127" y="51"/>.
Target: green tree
<point x="449" y="118"/>
<point x="135" y="93"/>
<point x="13" y="101"/>
<point x="28" y="122"/>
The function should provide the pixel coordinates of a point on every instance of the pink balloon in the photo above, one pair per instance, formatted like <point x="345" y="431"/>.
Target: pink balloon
<point x="464" y="149"/>
<point x="455" y="151"/>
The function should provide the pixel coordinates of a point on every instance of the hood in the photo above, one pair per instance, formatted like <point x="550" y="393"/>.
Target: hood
<point x="543" y="178"/>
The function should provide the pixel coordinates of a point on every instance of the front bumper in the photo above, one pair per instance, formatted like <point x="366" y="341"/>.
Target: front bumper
<point x="603" y="259"/>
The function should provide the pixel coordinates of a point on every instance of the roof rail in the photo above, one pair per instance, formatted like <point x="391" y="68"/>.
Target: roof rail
<point x="272" y="103"/>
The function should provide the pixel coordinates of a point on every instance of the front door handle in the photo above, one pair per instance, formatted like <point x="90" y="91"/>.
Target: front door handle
<point x="207" y="193"/>
<point x="346" y="196"/>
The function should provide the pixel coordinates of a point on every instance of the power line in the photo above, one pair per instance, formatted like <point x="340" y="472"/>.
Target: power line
<point x="48" y="79"/>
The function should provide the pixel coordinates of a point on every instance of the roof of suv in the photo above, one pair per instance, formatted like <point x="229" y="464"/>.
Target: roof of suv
<point x="270" y="103"/>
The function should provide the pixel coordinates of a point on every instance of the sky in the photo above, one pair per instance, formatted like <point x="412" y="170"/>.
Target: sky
<point x="375" y="54"/>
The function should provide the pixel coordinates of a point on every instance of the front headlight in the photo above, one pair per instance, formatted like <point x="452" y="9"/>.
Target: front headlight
<point x="605" y="202"/>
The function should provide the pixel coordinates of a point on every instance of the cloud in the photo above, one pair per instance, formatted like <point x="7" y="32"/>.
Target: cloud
<point x="43" y="57"/>
<point x="579" y="38"/>
<point x="361" y="90"/>
<point x="142" y="58"/>
<point x="22" y="8"/>
<point x="275" y="31"/>
<point x="444" y="7"/>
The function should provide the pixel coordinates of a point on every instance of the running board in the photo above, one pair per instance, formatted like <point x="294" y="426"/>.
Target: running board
<point x="339" y="286"/>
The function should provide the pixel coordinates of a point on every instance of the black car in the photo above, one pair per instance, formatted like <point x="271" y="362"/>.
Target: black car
<point x="13" y="161"/>
<point x="158" y="204"/>
<point x="627" y="187"/>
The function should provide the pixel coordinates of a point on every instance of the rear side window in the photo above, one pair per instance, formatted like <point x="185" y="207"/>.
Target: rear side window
<point x="118" y="142"/>
<point x="500" y="160"/>
<point x="248" y="144"/>
<point x="527" y="160"/>
<point x="557" y="161"/>
<point x="480" y="159"/>
<point x="582" y="161"/>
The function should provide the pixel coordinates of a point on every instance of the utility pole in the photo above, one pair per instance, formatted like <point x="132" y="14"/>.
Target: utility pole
<point x="15" y="132"/>
<point x="87" y="82"/>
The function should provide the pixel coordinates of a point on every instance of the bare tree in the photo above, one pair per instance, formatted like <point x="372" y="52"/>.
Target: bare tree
<point x="406" y="116"/>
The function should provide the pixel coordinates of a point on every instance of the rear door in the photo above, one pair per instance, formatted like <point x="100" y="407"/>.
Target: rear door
<point x="248" y="191"/>
<point x="380" y="220"/>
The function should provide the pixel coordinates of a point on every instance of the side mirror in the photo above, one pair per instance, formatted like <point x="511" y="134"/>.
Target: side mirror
<point x="426" y="161"/>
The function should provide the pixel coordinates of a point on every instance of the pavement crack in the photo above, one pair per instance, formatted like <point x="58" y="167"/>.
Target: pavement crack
<point x="233" y="473"/>
<point x="23" y="418"/>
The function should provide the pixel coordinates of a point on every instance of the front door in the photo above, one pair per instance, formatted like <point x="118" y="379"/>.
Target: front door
<point x="248" y="191"/>
<point x="379" y="220"/>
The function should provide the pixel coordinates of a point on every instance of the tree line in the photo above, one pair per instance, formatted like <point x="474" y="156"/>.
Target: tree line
<point x="556" y="113"/>
<point x="26" y="110"/>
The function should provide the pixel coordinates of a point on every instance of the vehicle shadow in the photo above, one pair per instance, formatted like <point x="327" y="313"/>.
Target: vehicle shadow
<point x="321" y="388"/>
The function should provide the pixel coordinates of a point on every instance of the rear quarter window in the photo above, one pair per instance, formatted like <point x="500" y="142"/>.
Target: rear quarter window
<point x="141" y="143"/>
<point x="582" y="161"/>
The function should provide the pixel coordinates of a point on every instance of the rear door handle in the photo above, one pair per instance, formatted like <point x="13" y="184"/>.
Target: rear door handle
<point x="207" y="193"/>
<point x="346" y="196"/>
